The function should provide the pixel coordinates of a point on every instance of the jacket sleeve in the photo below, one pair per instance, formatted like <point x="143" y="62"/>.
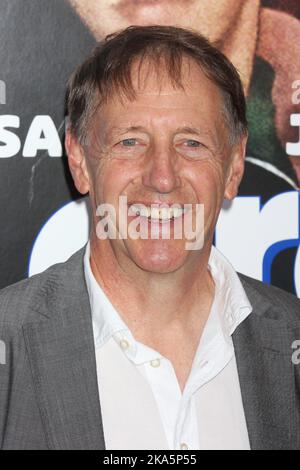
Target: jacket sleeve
<point x="21" y="426"/>
<point x="10" y="351"/>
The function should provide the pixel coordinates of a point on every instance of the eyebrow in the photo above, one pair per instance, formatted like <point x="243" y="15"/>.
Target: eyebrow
<point x="129" y="129"/>
<point x="189" y="130"/>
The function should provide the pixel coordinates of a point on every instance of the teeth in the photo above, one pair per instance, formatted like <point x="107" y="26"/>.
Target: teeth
<point x="154" y="213"/>
<point x="163" y="213"/>
<point x="145" y="212"/>
<point x="177" y="212"/>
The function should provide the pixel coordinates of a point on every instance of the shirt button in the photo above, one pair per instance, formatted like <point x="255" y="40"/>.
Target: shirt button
<point x="124" y="344"/>
<point x="155" y="363"/>
<point x="184" y="446"/>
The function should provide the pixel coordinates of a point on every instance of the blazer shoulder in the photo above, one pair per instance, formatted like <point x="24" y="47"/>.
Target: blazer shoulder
<point x="21" y="302"/>
<point x="279" y="300"/>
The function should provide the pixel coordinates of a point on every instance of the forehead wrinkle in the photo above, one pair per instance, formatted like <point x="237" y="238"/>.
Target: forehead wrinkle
<point x="127" y="128"/>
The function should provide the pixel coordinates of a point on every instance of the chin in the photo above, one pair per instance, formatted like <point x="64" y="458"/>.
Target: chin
<point x="158" y="258"/>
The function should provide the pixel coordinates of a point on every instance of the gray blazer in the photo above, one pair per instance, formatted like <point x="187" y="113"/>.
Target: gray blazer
<point x="48" y="385"/>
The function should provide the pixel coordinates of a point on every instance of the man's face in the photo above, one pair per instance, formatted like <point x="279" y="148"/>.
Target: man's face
<point x="212" y="19"/>
<point x="167" y="146"/>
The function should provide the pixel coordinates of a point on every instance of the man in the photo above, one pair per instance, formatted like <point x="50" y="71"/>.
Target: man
<point x="151" y="342"/>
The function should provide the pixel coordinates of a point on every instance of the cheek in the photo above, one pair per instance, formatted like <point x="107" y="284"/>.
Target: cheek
<point x="208" y="182"/>
<point x="209" y="188"/>
<point x="112" y="180"/>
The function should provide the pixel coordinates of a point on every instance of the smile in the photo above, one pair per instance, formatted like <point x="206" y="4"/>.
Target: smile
<point x="156" y="213"/>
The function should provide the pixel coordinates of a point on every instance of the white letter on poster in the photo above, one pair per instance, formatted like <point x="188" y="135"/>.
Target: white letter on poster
<point x="10" y="140"/>
<point x="42" y="135"/>
<point x="245" y="231"/>
<point x="293" y="148"/>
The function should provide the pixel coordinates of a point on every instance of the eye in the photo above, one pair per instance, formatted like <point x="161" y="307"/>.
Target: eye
<point x="131" y="147"/>
<point x="193" y="143"/>
<point x="128" y="142"/>
<point x="191" y="148"/>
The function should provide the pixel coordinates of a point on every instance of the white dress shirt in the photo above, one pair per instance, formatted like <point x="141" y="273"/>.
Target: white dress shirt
<point x="141" y="402"/>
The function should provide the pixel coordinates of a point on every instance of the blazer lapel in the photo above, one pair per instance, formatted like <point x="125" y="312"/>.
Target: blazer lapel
<point x="62" y="358"/>
<point x="263" y="354"/>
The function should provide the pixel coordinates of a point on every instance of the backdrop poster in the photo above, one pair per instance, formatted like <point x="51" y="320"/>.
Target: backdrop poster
<point x="44" y="219"/>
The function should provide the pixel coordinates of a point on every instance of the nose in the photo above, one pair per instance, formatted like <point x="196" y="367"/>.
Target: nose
<point x="161" y="171"/>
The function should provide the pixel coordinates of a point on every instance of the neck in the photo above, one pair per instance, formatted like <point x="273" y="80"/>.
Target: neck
<point x="239" y="43"/>
<point x="151" y="302"/>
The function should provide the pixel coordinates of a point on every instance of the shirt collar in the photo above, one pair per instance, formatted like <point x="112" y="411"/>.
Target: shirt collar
<point x="230" y="307"/>
<point x="231" y="302"/>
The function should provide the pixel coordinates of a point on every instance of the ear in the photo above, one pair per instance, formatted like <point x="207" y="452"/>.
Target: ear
<point x="77" y="163"/>
<point x="236" y="169"/>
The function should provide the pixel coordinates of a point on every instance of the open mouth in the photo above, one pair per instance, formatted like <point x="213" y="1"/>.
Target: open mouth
<point x="156" y="214"/>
